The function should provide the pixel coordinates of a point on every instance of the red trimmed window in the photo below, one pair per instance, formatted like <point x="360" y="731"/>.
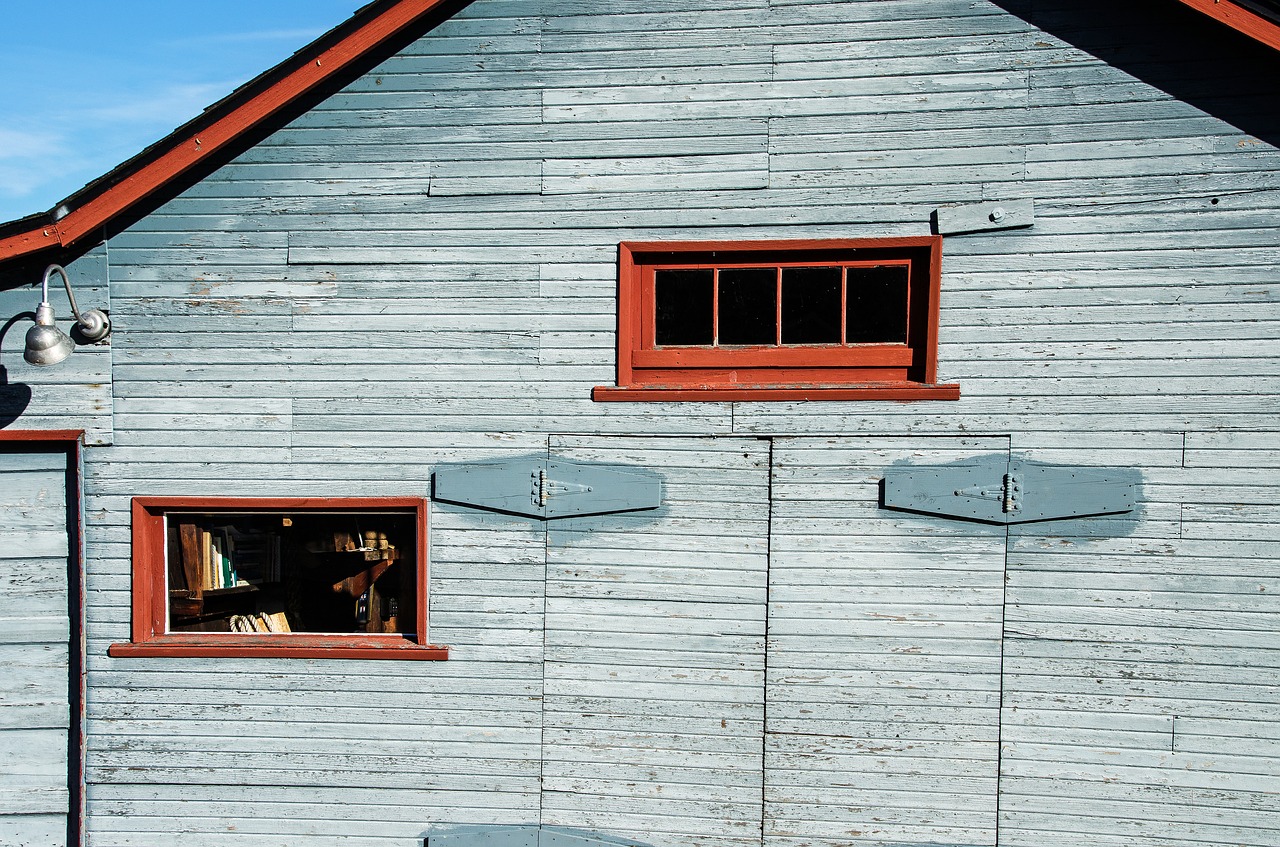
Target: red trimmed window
<point x="319" y="578"/>
<point x="762" y="320"/>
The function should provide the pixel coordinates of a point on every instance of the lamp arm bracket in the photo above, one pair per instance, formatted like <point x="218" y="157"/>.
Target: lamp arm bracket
<point x="94" y="324"/>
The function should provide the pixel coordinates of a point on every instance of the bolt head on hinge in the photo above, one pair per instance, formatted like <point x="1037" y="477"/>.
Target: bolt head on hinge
<point x="1012" y="493"/>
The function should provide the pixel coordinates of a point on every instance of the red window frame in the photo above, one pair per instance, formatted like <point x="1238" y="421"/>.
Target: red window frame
<point x="150" y="593"/>
<point x="648" y="371"/>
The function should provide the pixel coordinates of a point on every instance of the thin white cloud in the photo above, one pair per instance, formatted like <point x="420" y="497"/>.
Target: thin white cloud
<point x="300" y="36"/>
<point x="169" y="106"/>
<point x="57" y="152"/>
<point x="31" y="162"/>
<point x="129" y="87"/>
<point x="17" y="182"/>
<point x="36" y="144"/>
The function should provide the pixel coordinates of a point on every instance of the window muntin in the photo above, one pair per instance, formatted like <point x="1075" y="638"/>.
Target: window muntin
<point x="317" y="574"/>
<point x="781" y="305"/>
<point x="827" y="319"/>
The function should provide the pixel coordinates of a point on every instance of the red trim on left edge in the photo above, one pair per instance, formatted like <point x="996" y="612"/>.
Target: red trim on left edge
<point x="31" y="241"/>
<point x="148" y="615"/>
<point x="72" y="442"/>
<point x="628" y="311"/>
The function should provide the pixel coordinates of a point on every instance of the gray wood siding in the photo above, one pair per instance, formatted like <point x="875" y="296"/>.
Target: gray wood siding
<point x="422" y="270"/>
<point x="884" y="653"/>
<point x="35" y="634"/>
<point x="1140" y="671"/>
<point x="282" y="751"/>
<point x="654" y="692"/>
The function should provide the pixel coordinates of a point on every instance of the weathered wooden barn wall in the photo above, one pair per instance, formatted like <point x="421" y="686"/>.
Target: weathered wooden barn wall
<point x="422" y="270"/>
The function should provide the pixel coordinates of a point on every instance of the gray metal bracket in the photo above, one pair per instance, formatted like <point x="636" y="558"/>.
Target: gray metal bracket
<point x="548" y="488"/>
<point x="997" y="489"/>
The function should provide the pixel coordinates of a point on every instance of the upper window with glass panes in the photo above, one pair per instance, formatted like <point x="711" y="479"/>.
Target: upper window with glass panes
<point x="777" y="316"/>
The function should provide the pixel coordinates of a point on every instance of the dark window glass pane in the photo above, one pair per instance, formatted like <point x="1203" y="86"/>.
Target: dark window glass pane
<point x="877" y="305"/>
<point x="684" y="306"/>
<point x="810" y="305"/>
<point x="749" y="306"/>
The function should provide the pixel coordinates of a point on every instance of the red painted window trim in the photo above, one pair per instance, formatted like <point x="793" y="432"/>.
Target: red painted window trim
<point x="863" y="372"/>
<point x="41" y="434"/>
<point x="150" y="598"/>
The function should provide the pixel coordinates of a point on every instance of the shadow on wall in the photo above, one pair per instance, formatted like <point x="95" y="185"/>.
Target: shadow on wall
<point x="15" y="397"/>
<point x="1175" y="49"/>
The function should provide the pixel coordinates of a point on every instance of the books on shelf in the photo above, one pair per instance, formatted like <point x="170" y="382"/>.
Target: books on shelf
<point x="206" y="560"/>
<point x="224" y="557"/>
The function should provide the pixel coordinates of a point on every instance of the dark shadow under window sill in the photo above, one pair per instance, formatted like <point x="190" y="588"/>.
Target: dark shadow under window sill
<point x="876" y="391"/>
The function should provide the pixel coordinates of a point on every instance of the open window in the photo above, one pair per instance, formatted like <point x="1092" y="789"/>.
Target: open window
<point x="830" y="319"/>
<point x="330" y="577"/>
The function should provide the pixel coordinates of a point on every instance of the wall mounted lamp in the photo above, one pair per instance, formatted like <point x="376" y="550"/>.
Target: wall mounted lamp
<point x="48" y="345"/>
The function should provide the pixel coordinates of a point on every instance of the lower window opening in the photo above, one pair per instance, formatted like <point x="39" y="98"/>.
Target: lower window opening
<point x="331" y="577"/>
<point x="313" y="572"/>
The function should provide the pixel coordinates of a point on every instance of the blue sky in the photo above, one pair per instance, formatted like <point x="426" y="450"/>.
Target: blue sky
<point x="85" y="84"/>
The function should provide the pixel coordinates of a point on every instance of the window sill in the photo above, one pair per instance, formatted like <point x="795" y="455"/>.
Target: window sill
<point x="248" y="646"/>
<point x="876" y="391"/>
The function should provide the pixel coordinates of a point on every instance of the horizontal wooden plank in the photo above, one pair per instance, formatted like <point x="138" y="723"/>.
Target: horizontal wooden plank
<point x="23" y="829"/>
<point x="33" y="800"/>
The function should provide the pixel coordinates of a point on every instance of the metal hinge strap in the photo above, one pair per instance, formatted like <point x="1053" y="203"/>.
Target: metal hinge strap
<point x="548" y="487"/>
<point x="999" y="489"/>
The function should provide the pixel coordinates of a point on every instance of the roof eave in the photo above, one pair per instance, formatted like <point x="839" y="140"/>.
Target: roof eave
<point x="218" y="129"/>
<point x="1241" y="18"/>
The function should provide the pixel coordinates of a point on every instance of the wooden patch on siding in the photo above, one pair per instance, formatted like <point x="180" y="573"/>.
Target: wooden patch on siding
<point x="981" y="217"/>
<point x="463" y="178"/>
<point x="682" y="173"/>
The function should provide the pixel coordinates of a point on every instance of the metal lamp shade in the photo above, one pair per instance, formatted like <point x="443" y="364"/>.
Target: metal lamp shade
<point x="46" y="344"/>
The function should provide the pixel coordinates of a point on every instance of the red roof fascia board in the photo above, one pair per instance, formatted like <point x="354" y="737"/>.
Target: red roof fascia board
<point x="31" y="241"/>
<point x="186" y="148"/>
<point x="1240" y="18"/>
